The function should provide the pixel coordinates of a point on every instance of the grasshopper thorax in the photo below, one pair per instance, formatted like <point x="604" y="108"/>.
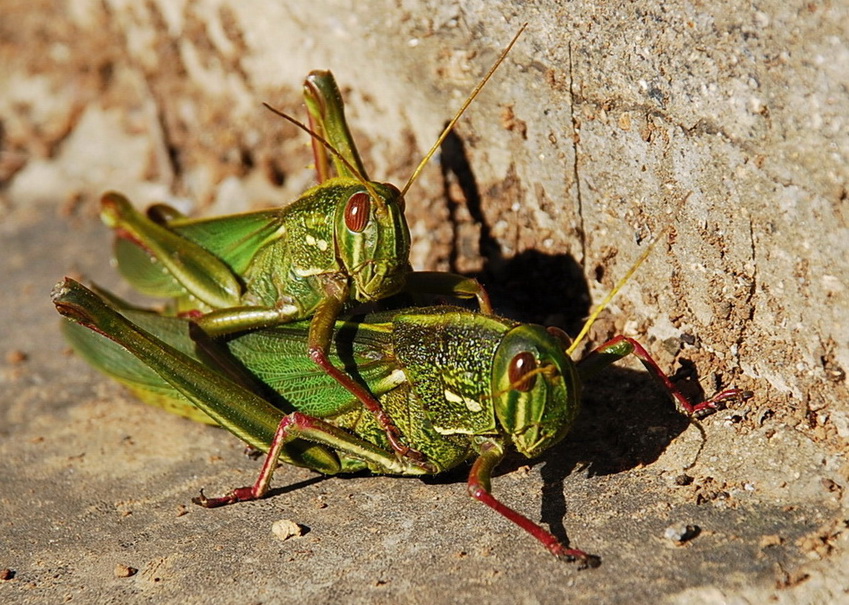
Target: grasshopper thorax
<point x="373" y="240"/>
<point x="536" y="389"/>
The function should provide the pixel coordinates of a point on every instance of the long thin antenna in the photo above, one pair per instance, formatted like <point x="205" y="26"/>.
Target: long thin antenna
<point x="591" y="319"/>
<point x="463" y="108"/>
<point x="330" y="148"/>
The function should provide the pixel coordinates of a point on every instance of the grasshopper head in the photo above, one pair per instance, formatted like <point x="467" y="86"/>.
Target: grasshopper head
<point x="536" y="389"/>
<point x="374" y="241"/>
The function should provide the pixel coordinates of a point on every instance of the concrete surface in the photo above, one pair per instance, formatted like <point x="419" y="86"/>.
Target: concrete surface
<point x="603" y="126"/>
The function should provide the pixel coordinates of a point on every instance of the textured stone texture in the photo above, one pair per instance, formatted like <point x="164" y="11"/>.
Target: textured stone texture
<point x="603" y="127"/>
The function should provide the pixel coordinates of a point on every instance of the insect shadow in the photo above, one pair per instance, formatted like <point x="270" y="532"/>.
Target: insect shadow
<point x="285" y="489"/>
<point x="626" y="419"/>
<point x="531" y="286"/>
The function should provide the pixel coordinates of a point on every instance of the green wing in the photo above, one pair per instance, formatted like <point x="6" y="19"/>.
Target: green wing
<point x="278" y="357"/>
<point x="116" y="362"/>
<point x="234" y="238"/>
<point x="146" y="275"/>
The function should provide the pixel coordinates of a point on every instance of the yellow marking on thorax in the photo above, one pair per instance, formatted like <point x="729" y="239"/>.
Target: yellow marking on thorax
<point x="471" y="404"/>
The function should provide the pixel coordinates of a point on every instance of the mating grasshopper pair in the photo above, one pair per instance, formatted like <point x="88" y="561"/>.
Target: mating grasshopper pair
<point x="343" y="241"/>
<point x="403" y="392"/>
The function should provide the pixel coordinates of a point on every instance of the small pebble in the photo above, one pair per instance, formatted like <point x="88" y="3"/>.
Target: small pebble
<point x="681" y="533"/>
<point x="124" y="571"/>
<point x="285" y="529"/>
<point x="15" y="357"/>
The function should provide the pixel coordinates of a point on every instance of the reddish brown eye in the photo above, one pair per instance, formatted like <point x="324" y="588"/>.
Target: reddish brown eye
<point x="520" y="366"/>
<point x="357" y="212"/>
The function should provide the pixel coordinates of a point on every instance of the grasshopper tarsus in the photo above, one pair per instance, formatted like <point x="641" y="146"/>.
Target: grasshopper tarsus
<point x="416" y="459"/>
<point x="584" y="560"/>
<point x="720" y="401"/>
<point x="240" y="494"/>
<point x="203" y="501"/>
<point x="403" y="451"/>
<point x="393" y="435"/>
<point x="572" y="555"/>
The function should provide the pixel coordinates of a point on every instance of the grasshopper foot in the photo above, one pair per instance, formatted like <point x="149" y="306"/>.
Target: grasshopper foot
<point x="719" y="402"/>
<point x="404" y="451"/>
<point x="241" y="494"/>
<point x="588" y="561"/>
<point x="399" y="447"/>
<point x="571" y="555"/>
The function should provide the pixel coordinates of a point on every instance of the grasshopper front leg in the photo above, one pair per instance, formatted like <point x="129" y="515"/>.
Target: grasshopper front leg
<point x="480" y="478"/>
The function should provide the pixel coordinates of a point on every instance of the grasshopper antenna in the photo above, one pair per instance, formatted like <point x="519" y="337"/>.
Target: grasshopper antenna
<point x="378" y="200"/>
<point x="591" y="319"/>
<point x="463" y="108"/>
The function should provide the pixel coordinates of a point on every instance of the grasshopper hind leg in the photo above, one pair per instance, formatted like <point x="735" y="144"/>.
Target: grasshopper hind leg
<point x="298" y="425"/>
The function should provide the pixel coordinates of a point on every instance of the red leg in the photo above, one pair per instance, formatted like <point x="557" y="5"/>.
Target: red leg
<point x="320" y="335"/>
<point x="620" y="346"/>
<point x="260" y="487"/>
<point x="479" y="489"/>
<point x="393" y="434"/>
<point x="298" y="425"/>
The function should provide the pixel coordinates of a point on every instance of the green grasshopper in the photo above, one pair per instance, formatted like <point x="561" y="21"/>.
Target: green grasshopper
<point x="460" y="385"/>
<point x="342" y="242"/>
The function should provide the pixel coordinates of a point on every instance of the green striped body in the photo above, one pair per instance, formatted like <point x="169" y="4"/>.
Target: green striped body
<point x="438" y="372"/>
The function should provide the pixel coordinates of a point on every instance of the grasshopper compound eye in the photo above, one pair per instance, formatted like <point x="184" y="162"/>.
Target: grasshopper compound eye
<point x="521" y="365"/>
<point x="357" y="212"/>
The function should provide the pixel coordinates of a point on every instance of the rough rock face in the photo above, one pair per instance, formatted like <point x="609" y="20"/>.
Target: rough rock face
<point x="605" y="126"/>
